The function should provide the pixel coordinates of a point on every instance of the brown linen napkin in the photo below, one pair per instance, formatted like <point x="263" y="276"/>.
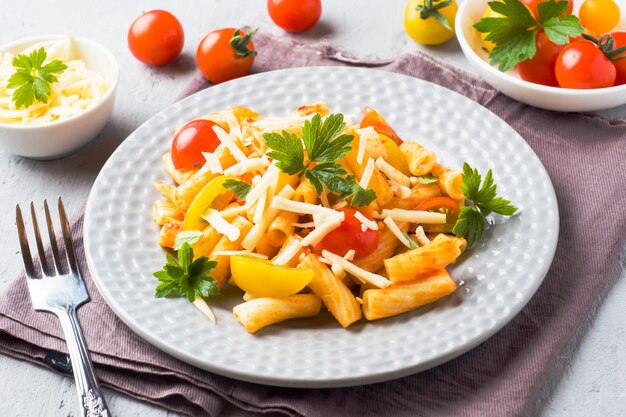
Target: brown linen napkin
<point x="585" y="156"/>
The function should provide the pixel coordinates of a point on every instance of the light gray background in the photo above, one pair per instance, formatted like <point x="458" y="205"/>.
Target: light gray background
<point x="589" y="378"/>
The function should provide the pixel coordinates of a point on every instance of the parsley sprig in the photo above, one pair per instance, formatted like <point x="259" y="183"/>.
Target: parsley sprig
<point x="240" y="188"/>
<point x="186" y="277"/>
<point x="324" y="144"/>
<point x="483" y="201"/>
<point x="31" y="79"/>
<point x="515" y="32"/>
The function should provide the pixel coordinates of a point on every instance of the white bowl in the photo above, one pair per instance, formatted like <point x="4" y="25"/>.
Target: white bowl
<point x="509" y="83"/>
<point x="62" y="137"/>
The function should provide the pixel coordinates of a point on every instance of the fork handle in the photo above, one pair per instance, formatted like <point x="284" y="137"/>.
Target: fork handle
<point x="92" y="403"/>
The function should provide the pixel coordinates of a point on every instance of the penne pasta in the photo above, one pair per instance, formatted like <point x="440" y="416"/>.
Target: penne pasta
<point x="386" y="247"/>
<point x="398" y="299"/>
<point x="333" y="292"/>
<point x="421" y="160"/>
<point x="164" y="211"/>
<point x="261" y="312"/>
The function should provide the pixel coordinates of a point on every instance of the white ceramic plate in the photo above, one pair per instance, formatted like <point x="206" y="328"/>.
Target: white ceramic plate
<point x="498" y="276"/>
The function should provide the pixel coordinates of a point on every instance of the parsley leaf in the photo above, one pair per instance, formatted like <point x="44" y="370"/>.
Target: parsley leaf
<point x="186" y="277"/>
<point x="324" y="145"/>
<point x="188" y="236"/>
<point x="240" y="188"/>
<point x="287" y="150"/>
<point x="411" y="241"/>
<point x="514" y="33"/>
<point x="31" y="81"/>
<point x="427" y="179"/>
<point x="482" y="193"/>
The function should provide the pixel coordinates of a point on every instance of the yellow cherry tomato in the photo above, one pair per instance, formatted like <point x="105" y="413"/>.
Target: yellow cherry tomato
<point x="599" y="16"/>
<point x="422" y="21"/>
<point x="395" y="157"/>
<point x="213" y="195"/>
<point x="488" y="44"/>
<point x="262" y="278"/>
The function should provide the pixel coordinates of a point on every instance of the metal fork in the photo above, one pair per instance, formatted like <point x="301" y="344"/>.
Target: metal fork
<point x="56" y="289"/>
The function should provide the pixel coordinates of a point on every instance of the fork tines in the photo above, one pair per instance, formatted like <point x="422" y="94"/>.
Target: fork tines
<point x="60" y="259"/>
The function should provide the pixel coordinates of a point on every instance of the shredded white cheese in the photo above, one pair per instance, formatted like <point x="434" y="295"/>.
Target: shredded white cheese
<point x="233" y="125"/>
<point x="397" y="232"/>
<point x="364" y="135"/>
<point x="213" y="163"/>
<point x="301" y="207"/>
<point x="413" y="216"/>
<point x="205" y="309"/>
<point x="76" y="90"/>
<point x="221" y="225"/>
<point x="350" y="255"/>
<point x="339" y="205"/>
<point x="288" y="252"/>
<point x="308" y="225"/>
<point x="267" y="180"/>
<point x="365" y="222"/>
<point x="324" y="197"/>
<point x="249" y="165"/>
<point x="330" y="223"/>
<point x="421" y="236"/>
<point x="227" y="140"/>
<point x="367" y="173"/>
<point x="392" y="173"/>
<point x="338" y="270"/>
<point x="365" y="276"/>
<point x="256" y="233"/>
<point x="260" y="208"/>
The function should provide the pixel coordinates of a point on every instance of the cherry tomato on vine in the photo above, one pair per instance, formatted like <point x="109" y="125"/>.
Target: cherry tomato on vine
<point x="581" y="64"/>
<point x="540" y="68"/>
<point x="225" y="54"/>
<point x="430" y="22"/>
<point x="442" y="205"/>
<point x="532" y="6"/>
<point x="599" y="16"/>
<point x="156" y="37"/>
<point x="295" y="15"/>
<point x="191" y="140"/>
<point x="349" y="236"/>
<point x="620" y="65"/>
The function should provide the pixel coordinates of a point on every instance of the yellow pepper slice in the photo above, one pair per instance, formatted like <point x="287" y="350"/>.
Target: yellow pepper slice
<point x="213" y="195"/>
<point x="262" y="278"/>
<point x="395" y="157"/>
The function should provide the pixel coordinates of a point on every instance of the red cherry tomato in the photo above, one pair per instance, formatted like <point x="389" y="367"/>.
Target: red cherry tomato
<point x="218" y="60"/>
<point x="442" y="205"/>
<point x="372" y="118"/>
<point x="191" y="140"/>
<point x="581" y="64"/>
<point x="156" y="37"/>
<point x="295" y="15"/>
<point x="349" y="236"/>
<point x="532" y="5"/>
<point x="620" y="65"/>
<point x="540" y="68"/>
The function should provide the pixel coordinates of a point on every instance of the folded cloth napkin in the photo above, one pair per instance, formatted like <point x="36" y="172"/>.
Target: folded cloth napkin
<point x="585" y="156"/>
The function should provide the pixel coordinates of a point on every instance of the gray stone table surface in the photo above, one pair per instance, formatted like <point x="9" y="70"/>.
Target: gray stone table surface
<point x="589" y="378"/>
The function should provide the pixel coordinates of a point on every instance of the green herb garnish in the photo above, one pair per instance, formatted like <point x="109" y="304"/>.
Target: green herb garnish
<point x="412" y="243"/>
<point x="240" y="188"/>
<point x="483" y="201"/>
<point x="188" y="236"/>
<point x="514" y="34"/>
<point x="427" y="179"/>
<point x="186" y="277"/>
<point x="324" y="144"/>
<point x="32" y="79"/>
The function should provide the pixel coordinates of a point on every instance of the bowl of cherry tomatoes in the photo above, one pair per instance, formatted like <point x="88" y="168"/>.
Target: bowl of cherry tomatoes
<point x="567" y="55"/>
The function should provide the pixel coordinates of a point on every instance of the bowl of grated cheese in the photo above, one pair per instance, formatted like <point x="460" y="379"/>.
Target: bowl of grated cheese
<point x="56" y="94"/>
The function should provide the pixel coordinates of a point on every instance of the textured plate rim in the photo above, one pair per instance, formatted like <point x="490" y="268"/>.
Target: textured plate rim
<point x="328" y="382"/>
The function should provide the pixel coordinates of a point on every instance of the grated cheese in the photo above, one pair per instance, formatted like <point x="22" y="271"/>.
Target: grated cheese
<point x="338" y="270"/>
<point x="213" y="163"/>
<point x="288" y="252"/>
<point x="256" y="233"/>
<point x="301" y="207"/>
<point x="363" y="275"/>
<point x="421" y="236"/>
<point x="308" y="225"/>
<point x="76" y="90"/>
<point x="221" y="225"/>
<point x="339" y="205"/>
<point x="350" y="255"/>
<point x="324" y="197"/>
<point x="392" y="173"/>
<point x="233" y="125"/>
<point x="227" y="140"/>
<point x="397" y="232"/>
<point x="205" y="309"/>
<point x="364" y="134"/>
<point x="249" y="165"/>
<point x="267" y="180"/>
<point x="321" y="230"/>
<point x="413" y="216"/>
<point x="367" y="173"/>
<point x="260" y="208"/>
<point x="365" y="222"/>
